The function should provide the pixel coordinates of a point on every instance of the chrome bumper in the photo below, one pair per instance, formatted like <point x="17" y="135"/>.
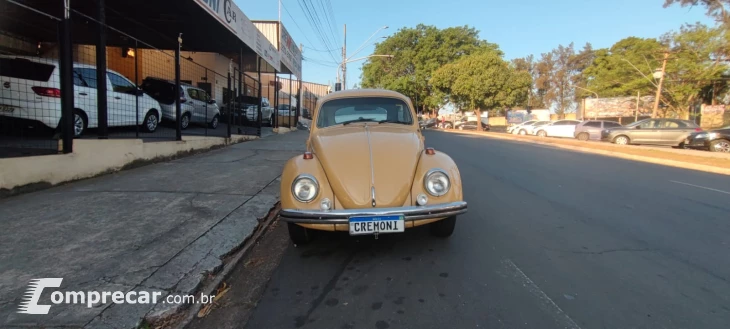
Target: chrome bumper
<point x="342" y="216"/>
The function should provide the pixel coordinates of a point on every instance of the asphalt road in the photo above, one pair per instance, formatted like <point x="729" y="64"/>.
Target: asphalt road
<point x="552" y="239"/>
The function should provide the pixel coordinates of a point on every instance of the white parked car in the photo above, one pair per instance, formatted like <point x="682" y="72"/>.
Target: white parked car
<point x="30" y="89"/>
<point x="560" y="128"/>
<point x="516" y="128"/>
<point x="530" y="129"/>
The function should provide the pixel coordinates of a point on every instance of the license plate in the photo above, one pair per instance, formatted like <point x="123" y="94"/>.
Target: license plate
<point x="361" y="225"/>
<point x="6" y="109"/>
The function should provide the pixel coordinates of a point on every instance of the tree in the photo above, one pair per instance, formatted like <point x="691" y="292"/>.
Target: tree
<point x="715" y="8"/>
<point x="697" y="60"/>
<point x="418" y="52"/>
<point x="624" y="69"/>
<point x="534" y="96"/>
<point x="481" y="81"/>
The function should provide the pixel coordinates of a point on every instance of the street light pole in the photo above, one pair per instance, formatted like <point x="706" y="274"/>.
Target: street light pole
<point x="344" y="60"/>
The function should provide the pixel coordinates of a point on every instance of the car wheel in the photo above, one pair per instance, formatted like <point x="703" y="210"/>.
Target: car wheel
<point x="151" y="121"/>
<point x="185" y="121"/>
<point x="461" y="128"/>
<point x="443" y="228"/>
<point x="583" y="136"/>
<point x="298" y="234"/>
<point x="720" y="145"/>
<point x="621" y="140"/>
<point x="80" y="123"/>
<point x="541" y="133"/>
<point x="523" y="132"/>
<point x="680" y="146"/>
<point x="214" y="123"/>
<point x="271" y="120"/>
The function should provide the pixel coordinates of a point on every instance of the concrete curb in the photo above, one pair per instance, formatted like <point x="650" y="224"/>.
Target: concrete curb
<point x="210" y="287"/>
<point x="648" y="159"/>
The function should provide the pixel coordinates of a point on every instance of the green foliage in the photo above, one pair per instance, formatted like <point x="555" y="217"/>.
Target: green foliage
<point x="697" y="59"/>
<point x="482" y="80"/>
<point x="624" y="69"/>
<point x="418" y="52"/>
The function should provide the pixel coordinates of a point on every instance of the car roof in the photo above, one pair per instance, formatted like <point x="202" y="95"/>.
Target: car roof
<point x="364" y="93"/>
<point x="182" y="84"/>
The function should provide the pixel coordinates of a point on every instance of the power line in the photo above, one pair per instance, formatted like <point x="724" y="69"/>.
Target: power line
<point x="315" y="27"/>
<point x="306" y="37"/>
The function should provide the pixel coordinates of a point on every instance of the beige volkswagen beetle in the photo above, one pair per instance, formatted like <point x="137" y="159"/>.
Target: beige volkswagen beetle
<point x="366" y="171"/>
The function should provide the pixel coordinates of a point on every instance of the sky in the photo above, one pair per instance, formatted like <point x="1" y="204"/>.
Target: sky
<point x="520" y="28"/>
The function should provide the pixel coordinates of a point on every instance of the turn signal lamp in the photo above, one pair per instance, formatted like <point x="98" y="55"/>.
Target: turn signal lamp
<point x="308" y="156"/>
<point x="430" y="151"/>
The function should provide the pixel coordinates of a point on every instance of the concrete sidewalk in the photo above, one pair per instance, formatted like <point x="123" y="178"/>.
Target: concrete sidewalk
<point x="161" y="227"/>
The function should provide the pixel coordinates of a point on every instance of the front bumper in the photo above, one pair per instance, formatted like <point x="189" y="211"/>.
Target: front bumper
<point x="342" y="216"/>
<point x="697" y="143"/>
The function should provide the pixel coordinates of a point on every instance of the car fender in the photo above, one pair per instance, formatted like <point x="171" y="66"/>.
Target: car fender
<point x="442" y="161"/>
<point x="297" y="166"/>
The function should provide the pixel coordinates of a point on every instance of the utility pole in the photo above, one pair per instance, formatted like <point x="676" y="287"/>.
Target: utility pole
<point x="344" y="60"/>
<point x="636" y="114"/>
<point x="661" y="82"/>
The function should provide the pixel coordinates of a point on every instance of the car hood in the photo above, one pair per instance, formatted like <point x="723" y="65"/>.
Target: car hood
<point x="355" y="156"/>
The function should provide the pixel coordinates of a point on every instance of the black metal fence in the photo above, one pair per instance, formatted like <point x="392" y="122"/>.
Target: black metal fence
<point x="30" y="95"/>
<point x="128" y="89"/>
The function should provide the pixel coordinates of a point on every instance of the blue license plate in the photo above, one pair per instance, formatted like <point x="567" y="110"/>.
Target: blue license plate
<point x="360" y="225"/>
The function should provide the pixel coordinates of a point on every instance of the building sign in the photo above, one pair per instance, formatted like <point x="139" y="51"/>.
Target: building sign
<point x="230" y="16"/>
<point x="713" y="109"/>
<point x="291" y="56"/>
<point x="618" y="107"/>
<point x="266" y="50"/>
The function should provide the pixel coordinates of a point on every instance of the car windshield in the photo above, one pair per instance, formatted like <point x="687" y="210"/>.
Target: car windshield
<point x="633" y="124"/>
<point x="364" y="109"/>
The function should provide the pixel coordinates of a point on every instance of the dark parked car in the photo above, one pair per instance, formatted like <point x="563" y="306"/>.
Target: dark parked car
<point x="717" y="140"/>
<point x="430" y="123"/>
<point x="472" y="125"/>
<point x="670" y="132"/>
<point x="591" y="130"/>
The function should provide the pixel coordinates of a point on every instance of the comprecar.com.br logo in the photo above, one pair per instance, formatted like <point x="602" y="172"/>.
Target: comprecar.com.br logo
<point x="31" y="301"/>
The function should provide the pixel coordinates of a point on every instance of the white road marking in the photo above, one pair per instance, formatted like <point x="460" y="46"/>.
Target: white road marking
<point x="702" y="187"/>
<point x="547" y="303"/>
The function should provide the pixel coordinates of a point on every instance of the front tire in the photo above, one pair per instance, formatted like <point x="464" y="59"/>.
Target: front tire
<point x="298" y="234"/>
<point x="151" y="121"/>
<point x="185" y="121"/>
<point x="720" y="145"/>
<point x="443" y="228"/>
<point x="214" y="123"/>
<point x="523" y="132"/>
<point x="80" y="123"/>
<point x="583" y="136"/>
<point x="541" y="133"/>
<point x="621" y="140"/>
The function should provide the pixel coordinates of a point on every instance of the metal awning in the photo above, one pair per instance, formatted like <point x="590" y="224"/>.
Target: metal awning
<point x="157" y="23"/>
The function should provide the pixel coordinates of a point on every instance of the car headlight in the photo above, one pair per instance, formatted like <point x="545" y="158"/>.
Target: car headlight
<point x="437" y="182"/>
<point x="305" y="188"/>
<point x="702" y="135"/>
<point x="713" y="135"/>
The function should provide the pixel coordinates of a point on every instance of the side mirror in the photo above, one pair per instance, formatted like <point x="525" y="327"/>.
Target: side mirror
<point x="212" y="101"/>
<point x="140" y="92"/>
<point x="637" y="127"/>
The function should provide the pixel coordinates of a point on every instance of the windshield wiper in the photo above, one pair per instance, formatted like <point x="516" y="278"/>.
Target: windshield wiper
<point x="393" y="121"/>
<point x="358" y="120"/>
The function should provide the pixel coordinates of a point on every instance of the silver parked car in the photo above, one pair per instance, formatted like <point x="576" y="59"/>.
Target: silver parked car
<point x="196" y="105"/>
<point x="591" y="130"/>
<point x="671" y="132"/>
